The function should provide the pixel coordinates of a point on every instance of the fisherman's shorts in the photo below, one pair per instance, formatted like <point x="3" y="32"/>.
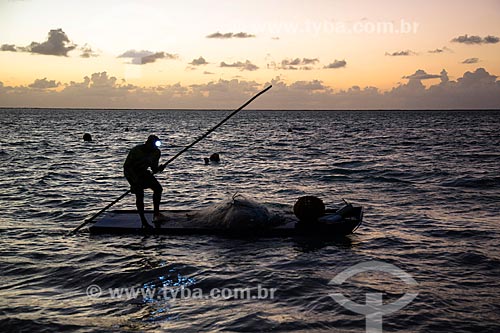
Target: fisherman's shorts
<point x="140" y="181"/>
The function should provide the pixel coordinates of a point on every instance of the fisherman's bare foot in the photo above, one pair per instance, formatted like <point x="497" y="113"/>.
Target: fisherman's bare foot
<point x="159" y="218"/>
<point x="146" y="225"/>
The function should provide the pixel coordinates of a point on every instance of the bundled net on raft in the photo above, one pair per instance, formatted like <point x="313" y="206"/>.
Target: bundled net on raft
<point x="238" y="212"/>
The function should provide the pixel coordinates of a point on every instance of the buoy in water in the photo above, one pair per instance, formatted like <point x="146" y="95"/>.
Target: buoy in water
<point x="215" y="158"/>
<point x="87" y="137"/>
<point x="309" y="208"/>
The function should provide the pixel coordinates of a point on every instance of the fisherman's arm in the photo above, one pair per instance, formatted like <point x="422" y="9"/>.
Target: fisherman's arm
<point x="155" y="167"/>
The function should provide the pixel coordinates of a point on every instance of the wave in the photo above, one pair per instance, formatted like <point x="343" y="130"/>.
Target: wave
<point x="473" y="182"/>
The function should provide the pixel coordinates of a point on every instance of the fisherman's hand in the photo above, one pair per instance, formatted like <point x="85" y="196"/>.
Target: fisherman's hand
<point x="161" y="167"/>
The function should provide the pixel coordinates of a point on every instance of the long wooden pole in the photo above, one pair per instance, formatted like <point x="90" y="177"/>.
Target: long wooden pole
<point x="87" y="221"/>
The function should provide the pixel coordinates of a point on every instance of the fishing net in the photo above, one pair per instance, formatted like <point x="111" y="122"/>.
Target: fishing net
<point x="238" y="212"/>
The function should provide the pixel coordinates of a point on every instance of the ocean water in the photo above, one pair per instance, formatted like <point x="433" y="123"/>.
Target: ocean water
<point x="429" y="182"/>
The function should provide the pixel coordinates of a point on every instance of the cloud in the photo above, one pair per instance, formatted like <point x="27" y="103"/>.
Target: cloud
<point x="220" y="36"/>
<point x="444" y="77"/>
<point x="198" y="62"/>
<point x="310" y="61"/>
<point x="478" y="78"/>
<point x="135" y="54"/>
<point x="145" y="57"/>
<point x="298" y="61"/>
<point x="308" y="85"/>
<point x="473" y="90"/>
<point x="208" y="73"/>
<point x="466" y="39"/>
<point x="294" y="64"/>
<point x="421" y="75"/>
<point x="243" y="35"/>
<point x="44" y="84"/>
<point x="158" y="55"/>
<point x="471" y="40"/>
<point x="441" y="50"/>
<point x="491" y="39"/>
<point x="275" y="38"/>
<point x="228" y="35"/>
<point x="57" y="44"/>
<point x="101" y="80"/>
<point x="401" y="53"/>
<point x="87" y="52"/>
<point x="336" y="64"/>
<point x="243" y="66"/>
<point x="8" y="47"/>
<point x="470" y="61"/>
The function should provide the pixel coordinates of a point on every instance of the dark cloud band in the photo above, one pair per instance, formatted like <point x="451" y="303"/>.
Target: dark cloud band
<point x="243" y="66"/>
<point x="471" y="40"/>
<point x="469" y="61"/>
<point x="404" y="53"/>
<point x="57" y="44"/>
<point x="336" y="64"/>
<point x="229" y="35"/>
<point x="146" y="57"/>
<point x="473" y="90"/>
<point x="198" y="62"/>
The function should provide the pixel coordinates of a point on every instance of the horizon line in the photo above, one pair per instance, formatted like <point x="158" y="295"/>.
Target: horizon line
<point x="197" y="109"/>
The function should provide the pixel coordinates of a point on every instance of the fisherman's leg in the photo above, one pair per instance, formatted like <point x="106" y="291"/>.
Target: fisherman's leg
<point x="157" y="191"/>
<point x="158" y="217"/>
<point x="139" y="202"/>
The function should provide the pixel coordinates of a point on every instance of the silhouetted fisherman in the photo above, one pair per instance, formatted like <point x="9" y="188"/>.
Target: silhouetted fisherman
<point x="139" y="160"/>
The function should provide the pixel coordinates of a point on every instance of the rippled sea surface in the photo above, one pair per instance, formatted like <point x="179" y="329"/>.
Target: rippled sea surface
<point x="429" y="183"/>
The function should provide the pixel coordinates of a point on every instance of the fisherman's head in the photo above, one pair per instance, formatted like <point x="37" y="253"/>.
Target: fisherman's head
<point x="153" y="142"/>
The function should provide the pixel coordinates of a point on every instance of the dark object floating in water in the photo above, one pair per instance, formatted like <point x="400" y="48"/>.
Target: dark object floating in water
<point x="87" y="137"/>
<point x="215" y="158"/>
<point x="235" y="218"/>
<point x="309" y="209"/>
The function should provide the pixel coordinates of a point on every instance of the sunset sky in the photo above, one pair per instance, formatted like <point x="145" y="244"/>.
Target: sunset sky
<point x="319" y="54"/>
